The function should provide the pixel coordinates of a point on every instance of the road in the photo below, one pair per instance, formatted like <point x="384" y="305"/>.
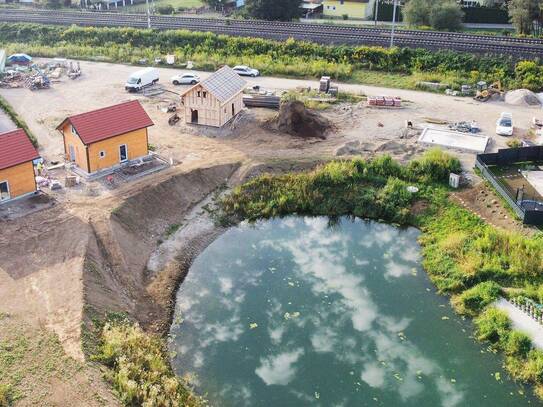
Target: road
<point x="5" y="123"/>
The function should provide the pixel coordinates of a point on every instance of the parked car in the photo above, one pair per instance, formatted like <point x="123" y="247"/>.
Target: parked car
<point x="243" y="70"/>
<point x="140" y="79"/>
<point x="504" y="125"/>
<point x="185" y="79"/>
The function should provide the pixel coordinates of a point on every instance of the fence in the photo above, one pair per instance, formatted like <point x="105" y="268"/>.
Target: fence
<point x="529" y="210"/>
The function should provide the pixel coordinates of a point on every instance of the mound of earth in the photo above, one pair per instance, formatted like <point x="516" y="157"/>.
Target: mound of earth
<point x="354" y="148"/>
<point x="295" y="119"/>
<point x="522" y="97"/>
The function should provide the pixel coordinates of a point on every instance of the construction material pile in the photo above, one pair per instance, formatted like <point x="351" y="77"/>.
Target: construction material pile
<point x="384" y="101"/>
<point x="522" y="97"/>
<point x="295" y="119"/>
<point x="36" y="77"/>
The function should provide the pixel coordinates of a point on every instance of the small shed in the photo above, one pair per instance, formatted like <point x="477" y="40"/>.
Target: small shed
<point x="17" y="154"/>
<point x="216" y="100"/>
<point x="106" y="138"/>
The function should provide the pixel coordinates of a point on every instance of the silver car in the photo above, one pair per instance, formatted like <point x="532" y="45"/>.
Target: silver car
<point x="185" y="79"/>
<point x="244" y="70"/>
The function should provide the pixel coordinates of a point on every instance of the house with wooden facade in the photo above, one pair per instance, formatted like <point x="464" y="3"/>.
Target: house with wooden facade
<point x="215" y="100"/>
<point x="106" y="138"/>
<point x="17" y="176"/>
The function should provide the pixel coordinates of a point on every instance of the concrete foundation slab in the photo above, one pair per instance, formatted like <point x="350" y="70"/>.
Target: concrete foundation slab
<point x="452" y="139"/>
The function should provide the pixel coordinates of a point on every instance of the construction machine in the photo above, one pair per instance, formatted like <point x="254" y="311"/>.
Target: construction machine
<point x="485" y="92"/>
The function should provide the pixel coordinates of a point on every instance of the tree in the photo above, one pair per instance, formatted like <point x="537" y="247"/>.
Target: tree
<point x="417" y="12"/>
<point x="284" y="10"/>
<point x="439" y="14"/>
<point x="213" y="3"/>
<point x="446" y="15"/>
<point x="523" y="13"/>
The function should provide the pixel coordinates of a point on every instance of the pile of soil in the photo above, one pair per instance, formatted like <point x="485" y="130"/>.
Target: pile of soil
<point x="522" y="97"/>
<point x="295" y="119"/>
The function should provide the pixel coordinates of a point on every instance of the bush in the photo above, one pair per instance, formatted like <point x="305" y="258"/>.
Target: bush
<point x="492" y="325"/>
<point x="139" y="368"/>
<point x="434" y="165"/>
<point x="517" y="344"/>
<point x="446" y="15"/>
<point x="5" y="395"/>
<point x="473" y="300"/>
<point x="165" y="10"/>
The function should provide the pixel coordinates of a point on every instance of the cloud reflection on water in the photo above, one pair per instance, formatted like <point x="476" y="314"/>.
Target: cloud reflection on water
<point x="329" y="265"/>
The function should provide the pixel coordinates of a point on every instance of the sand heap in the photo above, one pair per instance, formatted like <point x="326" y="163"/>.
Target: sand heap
<point x="522" y="97"/>
<point x="295" y="119"/>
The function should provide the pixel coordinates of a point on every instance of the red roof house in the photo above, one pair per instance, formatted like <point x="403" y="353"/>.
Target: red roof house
<point x="16" y="168"/>
<point x="106" y="137"/>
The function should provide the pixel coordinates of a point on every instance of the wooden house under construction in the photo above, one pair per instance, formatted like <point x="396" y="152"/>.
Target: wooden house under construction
<point x="216" y="100"/>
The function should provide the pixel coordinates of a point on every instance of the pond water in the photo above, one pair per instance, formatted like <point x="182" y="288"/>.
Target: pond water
<point x="299" y="312"/>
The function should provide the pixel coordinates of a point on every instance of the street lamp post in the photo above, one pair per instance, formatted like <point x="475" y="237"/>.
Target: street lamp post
<point x="393" y="23"/>
<point x="376" y="14"/>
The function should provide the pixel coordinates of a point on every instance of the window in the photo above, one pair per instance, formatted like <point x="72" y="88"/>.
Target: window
<point x="102" y="154"/>
<point x="199" y="94"/>
<point x="205" y="95"/>
<point x="4" y="191"/>
<point x="74" y="131"/>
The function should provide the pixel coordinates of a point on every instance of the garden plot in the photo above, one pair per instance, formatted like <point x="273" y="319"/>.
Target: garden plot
<point x="453" y="139"/>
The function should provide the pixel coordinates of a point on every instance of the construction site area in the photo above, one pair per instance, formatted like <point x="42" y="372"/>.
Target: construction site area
<point x="101" y="238"/>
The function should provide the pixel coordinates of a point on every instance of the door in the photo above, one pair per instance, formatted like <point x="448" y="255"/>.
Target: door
<point x="4" y="191"/>
<point x="233" y="110"/>
<point x="194" y="116"/>
<point x="123" y="153"/>
<point x="72" y="153"/>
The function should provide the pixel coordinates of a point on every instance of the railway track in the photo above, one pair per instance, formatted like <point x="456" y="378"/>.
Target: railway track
<point x="320" y="33"/>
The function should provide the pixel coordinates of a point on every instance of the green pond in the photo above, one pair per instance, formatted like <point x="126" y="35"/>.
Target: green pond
<point x="308" y="312"/>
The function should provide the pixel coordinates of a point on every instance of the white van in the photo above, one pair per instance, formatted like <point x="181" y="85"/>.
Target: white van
<point x="140" y="79"/>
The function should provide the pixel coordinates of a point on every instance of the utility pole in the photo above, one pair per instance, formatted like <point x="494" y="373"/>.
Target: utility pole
<point x="393" y="23"/>
<point x="376" y="14"/>
<point x="148" y="14"/>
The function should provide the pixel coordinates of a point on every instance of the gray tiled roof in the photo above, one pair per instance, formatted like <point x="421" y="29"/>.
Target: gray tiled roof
<point x="224" y="83"/>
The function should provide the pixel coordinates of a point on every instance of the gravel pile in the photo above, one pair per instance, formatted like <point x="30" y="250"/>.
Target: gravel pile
<point x="522" y="97"/>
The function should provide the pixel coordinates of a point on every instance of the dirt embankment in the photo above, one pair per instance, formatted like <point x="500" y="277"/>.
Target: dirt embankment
<point x="116" y="277"/>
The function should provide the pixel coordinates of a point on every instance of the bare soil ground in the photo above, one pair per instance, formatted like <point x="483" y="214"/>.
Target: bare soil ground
<point x="100" y="249"/>
<point x="33" y="363"/>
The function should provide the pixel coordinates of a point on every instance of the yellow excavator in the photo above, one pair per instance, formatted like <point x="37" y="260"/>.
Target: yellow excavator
<point x="485" y="92"/>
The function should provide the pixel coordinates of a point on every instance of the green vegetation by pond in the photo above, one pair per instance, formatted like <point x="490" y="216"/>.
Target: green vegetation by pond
<point x="139" y="369"/>
<point x="459" y="249"/>
<point x="290" y="58"/>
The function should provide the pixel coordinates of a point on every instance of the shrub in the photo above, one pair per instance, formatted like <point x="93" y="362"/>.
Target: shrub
<point x="434" y="165"/>
<point x="139" y="368"/>
<point x="492" y="325"/>
<point x="518" y="343"/>
<point x="473" y="300"/>
<point x="446" y="15"/>
<point x="167" y="9"/>
<point x="5" y="395"/>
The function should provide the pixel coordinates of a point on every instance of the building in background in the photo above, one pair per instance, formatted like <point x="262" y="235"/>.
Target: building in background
<point x="360" y="9"/>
